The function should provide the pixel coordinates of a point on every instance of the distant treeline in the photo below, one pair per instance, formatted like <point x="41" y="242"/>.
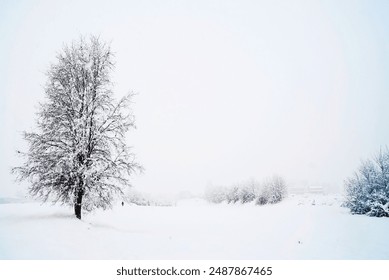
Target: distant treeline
<point x="270" y="191"/>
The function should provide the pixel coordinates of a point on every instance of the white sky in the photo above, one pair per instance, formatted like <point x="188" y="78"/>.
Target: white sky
<point x="228" y="90"/>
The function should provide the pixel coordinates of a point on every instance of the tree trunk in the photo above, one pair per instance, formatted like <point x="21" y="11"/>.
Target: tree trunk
<point x="79" y="194"/>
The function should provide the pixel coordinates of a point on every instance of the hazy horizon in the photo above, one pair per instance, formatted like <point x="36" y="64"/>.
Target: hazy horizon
<point x="226" y="91"/>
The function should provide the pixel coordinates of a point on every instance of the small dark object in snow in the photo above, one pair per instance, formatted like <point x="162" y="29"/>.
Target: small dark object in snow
<point x="122" y="203"/>
<point x="299" y="242"/>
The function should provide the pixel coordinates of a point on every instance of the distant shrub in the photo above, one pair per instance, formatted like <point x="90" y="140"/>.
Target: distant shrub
<point x="216" y="194"/>
<point x="367" y="192"/>
<point x="271" y="191"/>
<point x="142" y="199"/>
<point x="233" y="195"/>
<point x="262" y="199"/>
<point x="248" y="192"/>
<point x="275" y="189"/>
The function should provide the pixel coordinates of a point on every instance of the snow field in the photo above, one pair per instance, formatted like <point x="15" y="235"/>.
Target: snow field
<point x="301" y="227"/>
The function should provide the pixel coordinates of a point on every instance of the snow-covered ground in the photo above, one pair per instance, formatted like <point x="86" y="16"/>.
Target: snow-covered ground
<point x="301" y="227"/>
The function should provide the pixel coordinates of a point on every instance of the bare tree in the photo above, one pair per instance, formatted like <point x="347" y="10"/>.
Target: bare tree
<point x="79" y="156"/>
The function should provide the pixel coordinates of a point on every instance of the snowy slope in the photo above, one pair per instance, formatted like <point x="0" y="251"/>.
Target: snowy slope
<point x="301" y="227"/>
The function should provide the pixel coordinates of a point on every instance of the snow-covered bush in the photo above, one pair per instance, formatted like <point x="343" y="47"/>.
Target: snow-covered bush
<point x="262" y="197"/>
<point x="275" y="189"/>
<point x="272" y="191"/>
<point x="367" y="192"/>
<point x="215" y="194"/>
<point x="248" y="192"/>
<point x="233" y="194"/>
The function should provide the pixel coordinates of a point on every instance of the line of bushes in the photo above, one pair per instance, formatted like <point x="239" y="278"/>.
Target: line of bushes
<point x="271" y="191"/>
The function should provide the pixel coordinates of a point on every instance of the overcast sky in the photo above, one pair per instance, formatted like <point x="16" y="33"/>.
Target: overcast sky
<point x="227" y="90"/>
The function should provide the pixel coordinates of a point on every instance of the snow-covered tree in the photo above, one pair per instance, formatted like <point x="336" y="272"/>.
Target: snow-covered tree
<point x="367" y="192"/>
<point x="78" y="155"/>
